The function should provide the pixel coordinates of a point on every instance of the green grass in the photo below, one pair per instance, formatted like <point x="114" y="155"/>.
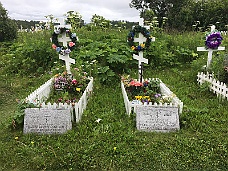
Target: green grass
<point x="201" y="143"/>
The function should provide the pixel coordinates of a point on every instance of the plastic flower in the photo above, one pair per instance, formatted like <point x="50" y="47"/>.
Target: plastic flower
<point x="67" y="51"/>
<point x="71" y="44"/>
<point x="54" y="46"/>
<point x="73" y="35"/>
<point x="142" y="45"/>
<point x="74" y="81"/>
<point x="138" y="97"/>
<point x="58" y="49"/>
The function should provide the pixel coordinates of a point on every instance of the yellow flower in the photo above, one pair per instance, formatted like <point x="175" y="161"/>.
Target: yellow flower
<point x="32" y="142"/>
<point x="56" y="75"/>
<point x="142" y="45"/>
<point x="16" y="138"/>
<point x="114" y="148"/>
<point x="138" y="97"/>
<point x="78" y="89"/>
<point x="133" y="47"/>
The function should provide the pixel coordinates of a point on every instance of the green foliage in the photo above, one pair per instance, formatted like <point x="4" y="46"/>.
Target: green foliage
<point x="31" y="54"/>
<point x="182" y="14"/>
<point x="17" y="120"/>
<point x="8" y="28"/>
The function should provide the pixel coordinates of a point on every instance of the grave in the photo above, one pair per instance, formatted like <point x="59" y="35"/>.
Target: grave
<point x="47" y="121"/>
<point x="157" y="116"/>
<point x="216" y="86"/>
<point x="55" y="118"/>
<point x="209" y="50"/>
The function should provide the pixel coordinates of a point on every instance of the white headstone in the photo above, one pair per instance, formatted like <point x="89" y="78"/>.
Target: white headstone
<point x="47" y="121"/>
<point x="210" y="51"/>
<point x="64" y="39"/>
<point x="141" y="39"/>
<point x="156" y="118"/>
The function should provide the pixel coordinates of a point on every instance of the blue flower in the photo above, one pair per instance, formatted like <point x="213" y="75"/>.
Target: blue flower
<point x="73" y="35"/>
<point x="58" y="49"/>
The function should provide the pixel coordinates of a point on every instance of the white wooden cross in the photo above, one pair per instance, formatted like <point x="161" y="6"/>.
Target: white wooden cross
<point x="64" y="39"/>
<point x="141" y="39"/>
<point x="210" y="51"/>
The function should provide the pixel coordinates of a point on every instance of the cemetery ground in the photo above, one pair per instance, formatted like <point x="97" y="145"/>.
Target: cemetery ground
<point x="106" y="138"/>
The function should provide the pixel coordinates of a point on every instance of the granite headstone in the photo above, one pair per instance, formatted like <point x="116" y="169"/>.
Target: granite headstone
<point x="47" y="121"/>
<point x="157" y="118"/>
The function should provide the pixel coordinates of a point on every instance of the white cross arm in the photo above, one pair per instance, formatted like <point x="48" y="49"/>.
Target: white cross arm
<point x="204" y="49"/>
<point x="140" y="59"/>
<point x="69" y="60"/>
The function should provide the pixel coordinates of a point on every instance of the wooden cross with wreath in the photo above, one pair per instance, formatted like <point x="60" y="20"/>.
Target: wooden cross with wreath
<point x="144" y="36"/>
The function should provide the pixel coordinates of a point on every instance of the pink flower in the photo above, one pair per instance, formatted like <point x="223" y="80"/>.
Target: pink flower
<point x="74" y="81"/>
<point x="54" y="46"/>
<point x="134" y="83"/>
<point x="71" y="44"/>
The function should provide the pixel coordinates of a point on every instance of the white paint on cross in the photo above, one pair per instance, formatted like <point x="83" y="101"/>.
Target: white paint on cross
<point x="68" y="61"/>
<point x="210" y="51"/>
<point x="64" y="39"/>
<point x="141" y="39"/>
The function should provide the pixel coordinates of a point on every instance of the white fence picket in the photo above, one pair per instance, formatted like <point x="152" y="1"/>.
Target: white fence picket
<point x="217" y="87"/>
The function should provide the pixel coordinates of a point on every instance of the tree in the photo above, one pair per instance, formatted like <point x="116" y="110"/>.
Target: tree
<point x="159" y="7"/>
<point x="8" y="27"/>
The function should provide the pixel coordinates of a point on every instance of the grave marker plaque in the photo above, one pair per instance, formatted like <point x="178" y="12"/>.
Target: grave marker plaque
<point x="47" y="121"/>
<point x="155" y="118"/>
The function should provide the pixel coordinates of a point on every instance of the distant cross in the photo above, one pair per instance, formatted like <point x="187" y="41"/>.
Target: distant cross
<point x="210" y="51"/>
<point x="141" y="39"/>
<point x="64" y="39"/>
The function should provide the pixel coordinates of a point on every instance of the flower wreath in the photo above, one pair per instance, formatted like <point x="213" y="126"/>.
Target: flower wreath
<point x="61" y="49"/>
<point x="213" y="40"/>
<point x="145" y="33"/>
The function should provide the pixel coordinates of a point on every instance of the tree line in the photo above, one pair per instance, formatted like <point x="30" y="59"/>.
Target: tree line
<point x="185" y="14"/>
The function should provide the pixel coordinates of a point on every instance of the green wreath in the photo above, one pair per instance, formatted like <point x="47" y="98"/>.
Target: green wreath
<point x="62" y="49"/>
<point x="145" y="33"/>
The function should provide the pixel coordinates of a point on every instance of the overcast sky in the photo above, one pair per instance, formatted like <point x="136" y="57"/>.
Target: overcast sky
<point x="36" y="9"/>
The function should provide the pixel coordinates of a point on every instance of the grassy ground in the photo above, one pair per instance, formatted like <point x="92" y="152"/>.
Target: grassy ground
<point x="114" y="143"/>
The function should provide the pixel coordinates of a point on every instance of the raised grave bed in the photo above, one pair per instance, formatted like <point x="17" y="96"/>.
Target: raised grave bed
<point x="153" y="115"/>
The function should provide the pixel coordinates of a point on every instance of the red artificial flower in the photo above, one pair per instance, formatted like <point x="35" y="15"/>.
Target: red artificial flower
<point x="54" y="46"/>
<point x="71" y="44"/>
<point x="74" y="81"/>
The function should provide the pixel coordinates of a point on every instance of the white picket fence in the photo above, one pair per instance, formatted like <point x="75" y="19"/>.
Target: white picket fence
<point x="217" y="87"/>
<point x="224" y="32"/>
<point x="40" y="95"/>
<point x="176" y="102"/>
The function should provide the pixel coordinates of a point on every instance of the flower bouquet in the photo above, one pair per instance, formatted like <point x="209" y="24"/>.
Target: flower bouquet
<point x="68" y="88"/>
<point x="151" y="92"/>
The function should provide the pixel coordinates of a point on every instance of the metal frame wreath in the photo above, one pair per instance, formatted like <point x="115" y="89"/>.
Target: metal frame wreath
<point x="62" y="49"/>
<point x="213" y="40"/>
<point x="145" y="33"/>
